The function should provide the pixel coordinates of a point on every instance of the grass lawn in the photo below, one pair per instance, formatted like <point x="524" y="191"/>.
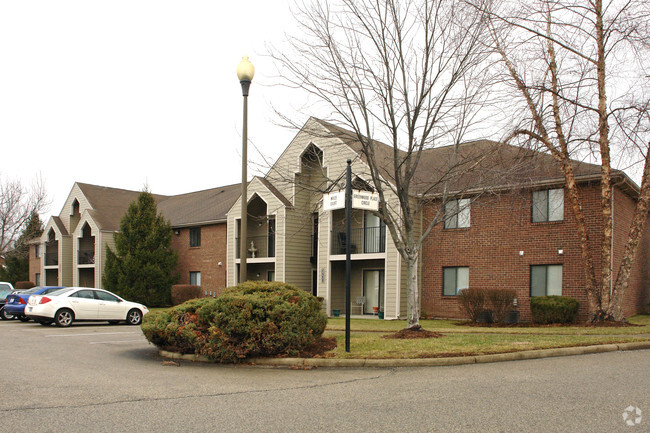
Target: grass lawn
<point x="456" y="326"/>
<point x="373" y="346"/>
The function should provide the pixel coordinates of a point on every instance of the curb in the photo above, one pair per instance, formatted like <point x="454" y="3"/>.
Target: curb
<point x="422" y="362"/>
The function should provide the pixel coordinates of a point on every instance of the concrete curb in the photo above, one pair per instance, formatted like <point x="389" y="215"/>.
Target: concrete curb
<point x="423" y="362"/>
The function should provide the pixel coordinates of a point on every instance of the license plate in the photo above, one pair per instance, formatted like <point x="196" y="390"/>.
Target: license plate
<point x="29" y="309"/>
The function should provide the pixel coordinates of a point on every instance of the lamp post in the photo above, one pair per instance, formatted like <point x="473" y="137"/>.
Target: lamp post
<point x="245" y="73"/>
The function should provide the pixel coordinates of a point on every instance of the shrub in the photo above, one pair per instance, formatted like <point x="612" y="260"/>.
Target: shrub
<point x="553" y="309"/>
<point x="472" y="302"/>
<point x="184" y="292"/>
<point x="256" y="318"/>
<point x="24" y="285"/>
<point x="501" y="301"/>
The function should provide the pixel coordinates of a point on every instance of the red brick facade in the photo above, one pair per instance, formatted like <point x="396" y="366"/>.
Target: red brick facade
<point x="35" y="265"/>
<point x="502" y="243"/>
<point x="205" y="258"/>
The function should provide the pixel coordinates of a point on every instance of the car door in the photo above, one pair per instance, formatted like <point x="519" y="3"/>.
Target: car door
<point x="84" y="305"/>
<point x="110" y="307"/>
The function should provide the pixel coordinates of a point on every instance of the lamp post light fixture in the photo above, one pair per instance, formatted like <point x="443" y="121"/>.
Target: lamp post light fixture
<point x="245" y="73"/>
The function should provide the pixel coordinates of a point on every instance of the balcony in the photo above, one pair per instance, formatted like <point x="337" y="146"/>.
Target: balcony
<point x="257" y="247"/>
<point x="86" y="257"/>
<point x="52" y="259"/>
<point x="367" y="240"/>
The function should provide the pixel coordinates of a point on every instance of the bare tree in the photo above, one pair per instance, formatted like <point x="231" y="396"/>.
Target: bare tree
<point x="18" y="204"/>
<point x="581" y="70"/>
<point x="405" y="73"/>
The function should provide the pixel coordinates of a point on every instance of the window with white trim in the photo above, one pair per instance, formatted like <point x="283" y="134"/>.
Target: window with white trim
<point x="457" y="214"/>
<point x="545" y="280"/>
<point x="195" y="278"/>
<point x="454" y="279"/>
<point x="548" y="205"/>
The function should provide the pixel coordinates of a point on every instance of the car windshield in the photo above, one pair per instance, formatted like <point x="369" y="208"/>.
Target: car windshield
<point x="59" y="292"/>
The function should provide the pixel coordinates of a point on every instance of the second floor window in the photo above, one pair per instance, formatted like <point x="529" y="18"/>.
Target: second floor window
<point x="195" y="237"/>
<point x="548" y="205"/>
<point x="457" y="213"/>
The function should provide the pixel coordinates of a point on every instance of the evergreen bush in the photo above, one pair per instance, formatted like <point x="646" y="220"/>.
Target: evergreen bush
<point x="553" y="309"/>
<point x="256" y="318"/>
<point x="184" y="292"/>
<point x="24" y="285"/>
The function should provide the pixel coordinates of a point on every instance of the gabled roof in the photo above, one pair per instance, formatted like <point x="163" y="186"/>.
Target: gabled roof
<point x="201" y="207"/>
<point x="59" y="226"/>
<point x="485" y="163"/>
<point x="274" y="191"/>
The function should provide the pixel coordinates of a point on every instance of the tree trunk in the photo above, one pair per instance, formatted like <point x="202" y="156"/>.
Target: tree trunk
<point x="413" y="291"/>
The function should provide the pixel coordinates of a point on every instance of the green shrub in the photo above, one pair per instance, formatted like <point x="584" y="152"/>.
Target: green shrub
<point x="489" y="305"/>
<point x="553" y="309"/>
<point x="184" y="292"/>
<point x="256" y="318"/>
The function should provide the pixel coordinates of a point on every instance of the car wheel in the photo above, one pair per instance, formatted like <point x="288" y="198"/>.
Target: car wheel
<point x="23" y="318"/>
<point x="64" y="317"/>
<point x="4" y="315"/>
<point x="134" y="317"/>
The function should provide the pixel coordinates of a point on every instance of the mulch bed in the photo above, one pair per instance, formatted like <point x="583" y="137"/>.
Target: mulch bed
<point x="407" y="334"/>
<point x="318" y="349"/>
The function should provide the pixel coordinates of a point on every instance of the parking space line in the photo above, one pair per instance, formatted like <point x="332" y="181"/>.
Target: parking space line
<point x="94" y="333"/>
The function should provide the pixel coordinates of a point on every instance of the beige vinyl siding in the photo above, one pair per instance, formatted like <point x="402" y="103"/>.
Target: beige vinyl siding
<point x="84" y="205"/>
<point x="65" y="261"/>
<point x="298" y="268"/>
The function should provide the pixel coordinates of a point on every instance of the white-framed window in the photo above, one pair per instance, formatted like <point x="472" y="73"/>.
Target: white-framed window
<point x="548" y="205"/>
<point x="545" y="280"/>
<point x="195" y="278"/>
<point x="454" y="279"/>
<point x="457" y="213"/>
<point x="37" y="251"/>
<point x="37" y="279"/>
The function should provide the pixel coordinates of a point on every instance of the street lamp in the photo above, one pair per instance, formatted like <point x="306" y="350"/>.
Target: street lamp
<point x="245" y="73"/>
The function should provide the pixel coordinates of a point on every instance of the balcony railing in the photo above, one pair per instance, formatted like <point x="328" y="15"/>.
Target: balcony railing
<point x="86" y="257"/>
<point x="257" y="246"/>
<point x="52" y="259"/>
<point x="365" y="240"/>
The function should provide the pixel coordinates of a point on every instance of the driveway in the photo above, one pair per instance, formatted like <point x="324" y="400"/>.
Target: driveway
<point x="101" y="378"/>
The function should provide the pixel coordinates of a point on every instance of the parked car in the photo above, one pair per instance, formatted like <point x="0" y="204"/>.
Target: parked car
<point x="16" y="302"/>
<point x="71" y="304"/>
<point x="5" y="290"/>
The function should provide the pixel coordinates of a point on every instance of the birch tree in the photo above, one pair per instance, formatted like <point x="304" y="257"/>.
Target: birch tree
<point x="405" y="73"/>
<point x="580" y="69"/>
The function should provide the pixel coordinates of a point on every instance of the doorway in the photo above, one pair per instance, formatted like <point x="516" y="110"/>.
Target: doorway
<point x="373" y="290"/>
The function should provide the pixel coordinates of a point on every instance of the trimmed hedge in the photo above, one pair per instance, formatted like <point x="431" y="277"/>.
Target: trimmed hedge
<point x="553" y="309"/>
<point x="184" y="292"/>
<point x="256" y="318"/>
<point x="24" y="285"/>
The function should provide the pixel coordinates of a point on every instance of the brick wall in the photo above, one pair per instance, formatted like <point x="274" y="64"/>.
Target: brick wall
<point x="205" y="258"/>
<point x="34" y="265"/>
<point x="500" y="229"/>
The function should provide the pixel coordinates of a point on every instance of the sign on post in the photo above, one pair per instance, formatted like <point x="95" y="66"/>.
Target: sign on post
<point x="360" y="200"/>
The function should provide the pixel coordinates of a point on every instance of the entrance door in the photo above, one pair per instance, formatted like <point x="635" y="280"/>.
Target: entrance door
<point x="373" y="289"/>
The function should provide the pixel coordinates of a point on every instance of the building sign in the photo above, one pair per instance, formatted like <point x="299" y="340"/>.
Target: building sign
<point x="365" y="200"/>
<point x="334" y="200"/>
<point x="360" y="200"/>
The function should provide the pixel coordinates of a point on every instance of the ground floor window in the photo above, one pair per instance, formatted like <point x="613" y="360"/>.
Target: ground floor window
<point x="195" y="278"/>
<point x="37" y="279"/>
<point x="546" y="280"/>
<point x="454" y="279"/>
<point x="270" y="275"/>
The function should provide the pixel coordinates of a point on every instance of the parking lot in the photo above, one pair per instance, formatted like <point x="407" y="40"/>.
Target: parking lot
<point x="101" y="378"/>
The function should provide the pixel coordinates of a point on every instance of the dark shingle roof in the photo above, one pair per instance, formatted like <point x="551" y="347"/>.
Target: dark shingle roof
<point x="201" y="207"/>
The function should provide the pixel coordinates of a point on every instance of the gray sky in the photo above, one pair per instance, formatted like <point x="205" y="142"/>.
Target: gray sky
<point x="126" y="92"/>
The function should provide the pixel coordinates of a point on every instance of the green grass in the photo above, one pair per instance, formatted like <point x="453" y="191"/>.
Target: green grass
<point x="374" y="346"/>
<point x="456" y="326"/>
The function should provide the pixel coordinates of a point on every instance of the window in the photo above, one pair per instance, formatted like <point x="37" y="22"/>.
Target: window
<point x="457" y="214"/>
<point x="37" y="251"/>
<point x="195" y="237"/>
<point x="545" y="280"/>
<point x="103" y="296"/>
<point x="195" y="278"/>
<point x="454" y="279"/>
<point x="270" y="275"/>
<point x="85" y="294"/>
<point x="37" y="279"/>
<point x="548" y="205"/>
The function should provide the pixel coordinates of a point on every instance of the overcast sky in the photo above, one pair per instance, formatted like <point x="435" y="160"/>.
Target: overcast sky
<point x="122" y="93"/>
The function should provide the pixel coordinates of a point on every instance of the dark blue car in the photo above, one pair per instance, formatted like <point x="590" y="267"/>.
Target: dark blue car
<point x="16" y="301"/>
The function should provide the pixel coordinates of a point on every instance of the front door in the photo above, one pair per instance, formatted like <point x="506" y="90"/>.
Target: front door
<point x="373" y="289"/>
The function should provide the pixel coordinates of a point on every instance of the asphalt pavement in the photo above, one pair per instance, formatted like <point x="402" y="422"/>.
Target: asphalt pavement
<point x="101" y="378"/>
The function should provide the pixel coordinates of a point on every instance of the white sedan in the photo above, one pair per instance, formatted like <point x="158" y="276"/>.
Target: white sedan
<point x="70" y="304"/>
